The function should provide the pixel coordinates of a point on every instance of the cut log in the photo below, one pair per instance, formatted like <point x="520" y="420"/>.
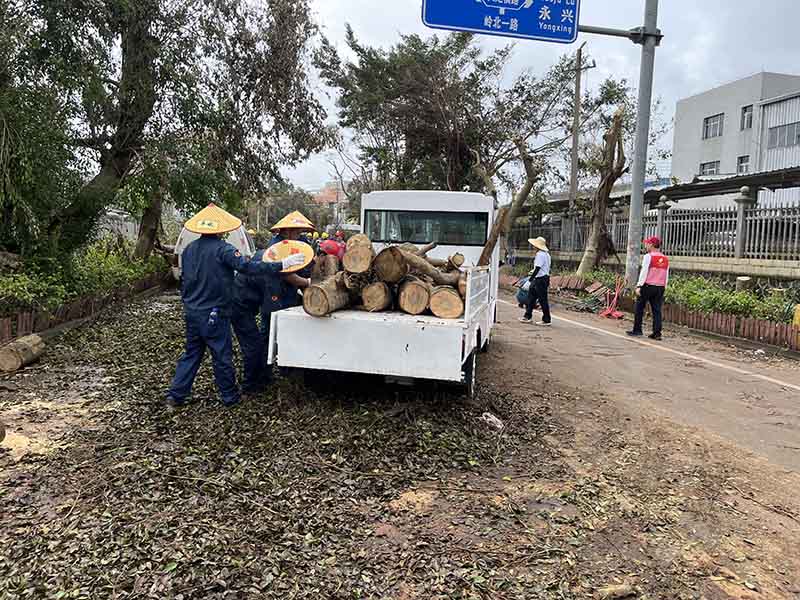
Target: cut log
<point x="390" y="265"/>
<point x="446" y="303"/>
<point x="426" y="248"/>
<point x="356" y="282"/>
<point x="456" y="261"/>
<point x="462" y="285"/>
<point x="325" y="266"/>
<point x="358" y="259"/>
<point x="413" y="249"/>
<point x="745" y="283"/>
<point x="326" y="297"/>
<point x="20" y="352"/>
<point x="359" y="240"/>
<point x="421" y="265"/>
<point x="414" y="296"/>
<point x="376" y="296"/>
<point x="452" y="263"/>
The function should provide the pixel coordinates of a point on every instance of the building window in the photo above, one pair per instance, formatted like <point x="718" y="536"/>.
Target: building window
<point x="747" y="117"/>
<point x="784" y="136"/>
<point x="712" y="126"/>
<point x="709" y="168"/>
<point x="743" y="165"/>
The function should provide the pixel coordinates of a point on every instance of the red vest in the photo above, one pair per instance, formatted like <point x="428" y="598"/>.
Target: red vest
<point x="659" y="269"/>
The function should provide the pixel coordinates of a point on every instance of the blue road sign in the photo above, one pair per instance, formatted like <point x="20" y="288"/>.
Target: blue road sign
<point x="544" y="20"/>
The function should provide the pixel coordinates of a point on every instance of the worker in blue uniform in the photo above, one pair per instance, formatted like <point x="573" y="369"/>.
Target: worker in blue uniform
<point x="281" y="293"/>
<point x="208" y="267"/>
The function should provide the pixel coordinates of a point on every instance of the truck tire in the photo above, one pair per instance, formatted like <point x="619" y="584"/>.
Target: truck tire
<point x="470" y="376"/>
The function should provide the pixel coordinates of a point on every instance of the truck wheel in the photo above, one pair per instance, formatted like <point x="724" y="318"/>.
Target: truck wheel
<point x="470" y="376"/>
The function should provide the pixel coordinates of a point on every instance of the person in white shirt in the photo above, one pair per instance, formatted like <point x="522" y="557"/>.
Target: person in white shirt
<point x="540" y="282"/>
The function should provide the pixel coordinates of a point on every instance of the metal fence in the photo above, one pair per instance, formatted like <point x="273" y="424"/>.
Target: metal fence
<point x="771" y="233"/>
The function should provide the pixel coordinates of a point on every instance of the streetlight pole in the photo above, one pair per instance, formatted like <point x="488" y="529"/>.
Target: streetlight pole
<point x="649" y="42"/>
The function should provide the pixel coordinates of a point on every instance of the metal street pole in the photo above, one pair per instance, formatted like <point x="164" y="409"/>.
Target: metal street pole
<point x="576" y="127"/>
<point x="649" y="42"/>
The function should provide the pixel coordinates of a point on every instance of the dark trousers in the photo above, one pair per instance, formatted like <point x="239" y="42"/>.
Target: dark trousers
<point x="200" y="334"/>
<point x="538" y="293"/>
<point x="254" y="359"/>
<point x="653" y="295"/>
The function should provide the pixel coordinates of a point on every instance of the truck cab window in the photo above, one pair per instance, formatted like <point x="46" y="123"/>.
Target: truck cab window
<point x="421" y="227"/>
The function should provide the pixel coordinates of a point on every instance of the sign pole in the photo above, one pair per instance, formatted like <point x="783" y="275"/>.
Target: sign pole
<point x="651" y="38"/>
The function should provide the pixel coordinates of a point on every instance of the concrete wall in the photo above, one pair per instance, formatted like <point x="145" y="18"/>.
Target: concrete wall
<point x="776" y="269"/>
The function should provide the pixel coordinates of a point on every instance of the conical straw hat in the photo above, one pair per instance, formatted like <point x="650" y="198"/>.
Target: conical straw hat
<point x="277" y="252"/>
<point x="294" y="220"/>
<point x="539" y="243"/>
<point x="212" y="219"/>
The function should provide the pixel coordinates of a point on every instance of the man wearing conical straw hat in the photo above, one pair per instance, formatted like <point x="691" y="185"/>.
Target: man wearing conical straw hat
<point x="267" y="295"/>
<point x="540" y="282"/>
<point x="209" y="264"/>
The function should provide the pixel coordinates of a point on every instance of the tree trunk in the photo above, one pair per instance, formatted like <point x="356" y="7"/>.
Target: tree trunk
<point x="148" y="230"/>
<point x="358" y="240"/>
<point x="446" y="303"/>
<point x="462" y="285"/>
<point x="452" y="263"/>
<point x="414" y="296"/>
<point x="612" y="167"/>
<point x="358" y="259"/>
<point x="421" y="265"/>
<point x="376" y="297"/>
<point x="390" y="265"/>
<point x="20" y="352"/>
<point x="325" y="266"/>
<point x="498" y="228"/>
<point x="326" y="297"/>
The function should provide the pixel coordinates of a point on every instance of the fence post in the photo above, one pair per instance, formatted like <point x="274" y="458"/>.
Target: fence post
<point x="744" y="200"/>
<point x="662" y="208"/>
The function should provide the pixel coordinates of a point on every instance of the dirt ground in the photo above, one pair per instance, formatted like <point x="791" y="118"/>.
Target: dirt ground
<point x="663" y="477"/>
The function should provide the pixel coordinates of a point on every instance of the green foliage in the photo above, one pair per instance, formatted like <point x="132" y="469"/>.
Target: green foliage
<point x="707" y="294"/>
<point x="46" y="283"/>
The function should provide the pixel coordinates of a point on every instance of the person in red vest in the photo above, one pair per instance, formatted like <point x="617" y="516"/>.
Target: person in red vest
<point x="651" y="286"/>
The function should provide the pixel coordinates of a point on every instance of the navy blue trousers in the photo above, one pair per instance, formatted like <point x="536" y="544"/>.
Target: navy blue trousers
<point x="256" y="376"/>
<point x="200" y="334"/>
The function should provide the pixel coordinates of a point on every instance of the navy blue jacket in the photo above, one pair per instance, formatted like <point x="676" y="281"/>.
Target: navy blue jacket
<point x="278" y="294"/>
<point x="208" y="272"/>
<point x="248" y="290"/>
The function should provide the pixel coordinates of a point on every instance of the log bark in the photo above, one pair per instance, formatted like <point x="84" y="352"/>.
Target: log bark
<point x="414" y="296"/>
<point x="325" y="266"/>
<point x="390" y="265"/>
<point x="452" y="263"/>
<point x="358" y="259"/>
<point x="745" y="283"/>
<point x="326" y="297"/>
<point x="20" y="352"/>
<point x="148" y="228"/>
<point x="421" y="265"/>
<point x="376" y="297"/>
<point x="462" y="285"/>
<point x="446" y="303"/>
<point x="413" y="249"/>
<point x="356" y="282"/>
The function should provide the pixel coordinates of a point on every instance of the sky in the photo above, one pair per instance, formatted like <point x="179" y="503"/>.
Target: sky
<point x="706" y="43"/>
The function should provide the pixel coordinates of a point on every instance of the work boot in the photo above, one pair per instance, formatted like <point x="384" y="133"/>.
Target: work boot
<point x="655" y="336"/>
<point x="174" y="404"/>
<point x="634" y="333"/>
<point x="526" y="320"/>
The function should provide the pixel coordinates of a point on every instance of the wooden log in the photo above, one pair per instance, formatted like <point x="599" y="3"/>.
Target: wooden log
<point x="413" y="249"/>
<point x="329" y="265"/>
<point x="326" y="297"/>
<point x="451" y="263"/>
<point x="358" y="259"/>
<point x="421" y="265"/>
<point x="359" y="240"/>
<point x="446" y="303"/>
<point x="745" y="283"/>
<point x="427" y="248"/>
<point x="20" y="352"/>
<point x="390" y="265"/>
<point x="462" y="285"/>
<point x="356" y="282"/>
<point x="376" y="296"/>
<point x="414" y="296"/>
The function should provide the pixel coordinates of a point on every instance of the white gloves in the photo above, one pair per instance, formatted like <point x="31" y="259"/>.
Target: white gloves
<point x="293" y="260"/>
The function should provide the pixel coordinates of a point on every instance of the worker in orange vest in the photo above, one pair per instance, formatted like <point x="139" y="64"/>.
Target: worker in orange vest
<point x="651" y="286"/>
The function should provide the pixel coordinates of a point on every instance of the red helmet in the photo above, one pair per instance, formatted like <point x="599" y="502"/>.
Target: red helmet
<point x="340" y="234"/>
<point x="332" y="247"/>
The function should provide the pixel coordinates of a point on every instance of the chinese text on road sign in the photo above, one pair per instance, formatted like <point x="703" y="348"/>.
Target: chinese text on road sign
<point x="547" y="20"/>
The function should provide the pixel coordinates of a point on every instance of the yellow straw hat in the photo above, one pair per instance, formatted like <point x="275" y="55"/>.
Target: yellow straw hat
<point x="211" y="220"/>
<point x="294" y="220"/>
<point x="539" y="243"/>
<point x="277" y="252"/>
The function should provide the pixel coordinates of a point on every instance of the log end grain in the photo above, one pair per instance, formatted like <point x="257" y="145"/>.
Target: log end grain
<point x="358" y="240"/>
<point x="376" y="296"/>
<point x="358" y="259"/>
<point x="414" y="296"/>
<point x="390" y="265"/>
<point x="17" y="354"/>
<point x="446" y="303"/>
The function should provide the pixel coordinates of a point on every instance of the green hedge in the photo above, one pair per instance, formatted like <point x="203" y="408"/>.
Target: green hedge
<point x="705" y="294"/>
<point x="99" y="268"/>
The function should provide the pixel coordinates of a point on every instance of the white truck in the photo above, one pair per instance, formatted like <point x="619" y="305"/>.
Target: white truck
<point x="399" y="346"/>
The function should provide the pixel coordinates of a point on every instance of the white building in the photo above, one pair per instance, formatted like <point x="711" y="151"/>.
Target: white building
<point x="747" y="126"/>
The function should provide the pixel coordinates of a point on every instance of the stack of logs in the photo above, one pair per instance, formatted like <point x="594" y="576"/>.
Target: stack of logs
<point x="400" y="277"/>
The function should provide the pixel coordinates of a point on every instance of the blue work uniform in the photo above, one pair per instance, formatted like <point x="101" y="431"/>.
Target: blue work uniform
<point x="278" y="294"/>
<point x="248" y="297"/>
<point x="208" y="271"/>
